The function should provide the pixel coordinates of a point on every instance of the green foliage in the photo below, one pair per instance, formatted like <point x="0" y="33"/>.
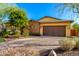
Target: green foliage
<point x="77" y="42"/>
<point x="76" y="26"/>
<point x="17" y="18"/>
<point x="3" y="7"/>
<point x="4" y="14"/>
<point x="26" y="34"/>
<point x="67" y="44"/>
<point x="16" y="33"/>
<point x="4" y="33"/>
<point x="2" y="40"/>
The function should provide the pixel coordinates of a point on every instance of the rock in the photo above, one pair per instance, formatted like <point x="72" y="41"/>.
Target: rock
<point x="52" y="53"/>
<point x="44" y="52"/>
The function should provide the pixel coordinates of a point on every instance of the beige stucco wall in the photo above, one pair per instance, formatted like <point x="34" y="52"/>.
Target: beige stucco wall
<point x="67" y="24"/>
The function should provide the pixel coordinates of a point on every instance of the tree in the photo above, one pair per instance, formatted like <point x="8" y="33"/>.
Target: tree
<point x="17" y="17"/>
<point x="73" y="8"/>
<point x="3" y="7"/>
<point x="3" y="13"/>
<point x="76" y="27"/>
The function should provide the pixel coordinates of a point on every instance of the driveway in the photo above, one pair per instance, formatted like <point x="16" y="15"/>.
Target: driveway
<point x="37" y="42"/>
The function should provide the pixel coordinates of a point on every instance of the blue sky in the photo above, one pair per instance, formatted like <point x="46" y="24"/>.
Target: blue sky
<point x="36" y="11"/>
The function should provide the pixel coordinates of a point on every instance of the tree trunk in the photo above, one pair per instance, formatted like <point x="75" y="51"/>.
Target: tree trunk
<point x="21" y="29"/>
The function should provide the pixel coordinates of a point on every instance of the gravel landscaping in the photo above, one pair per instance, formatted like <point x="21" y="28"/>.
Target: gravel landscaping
<point x="34" y="46"/>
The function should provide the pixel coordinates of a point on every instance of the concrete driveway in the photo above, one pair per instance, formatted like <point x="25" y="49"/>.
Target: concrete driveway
<point x="37" y="42"/>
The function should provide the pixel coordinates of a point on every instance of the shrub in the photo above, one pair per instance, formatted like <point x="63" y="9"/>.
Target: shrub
<point x="2" y="40"/>
<point x="4" y="33"/>
<point x="16" y="33"/>
<point x="67" y="44"/>
<point x="25" y="32"/>
<point x="77" y="42"/>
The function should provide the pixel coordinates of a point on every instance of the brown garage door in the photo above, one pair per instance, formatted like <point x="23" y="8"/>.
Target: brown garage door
<point x="54" y="31"/>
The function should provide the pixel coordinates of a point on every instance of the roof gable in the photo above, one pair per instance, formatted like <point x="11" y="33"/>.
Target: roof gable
<point x="47" y="18"/>
<point x="52" y="19"/>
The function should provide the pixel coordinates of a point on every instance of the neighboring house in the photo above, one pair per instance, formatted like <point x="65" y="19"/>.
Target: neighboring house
<point x="34" y="27"/>
<point x="50" y="26"/>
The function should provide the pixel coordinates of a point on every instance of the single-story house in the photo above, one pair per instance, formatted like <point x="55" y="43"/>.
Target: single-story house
<point x="50" y="26"/>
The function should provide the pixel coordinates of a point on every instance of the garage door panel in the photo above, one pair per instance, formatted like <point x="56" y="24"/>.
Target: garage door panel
<point x="54" y="31"/>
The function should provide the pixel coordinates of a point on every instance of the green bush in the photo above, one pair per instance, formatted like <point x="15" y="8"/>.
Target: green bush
<point x="4" y="33"/>
<point x="77" y="42"/>
<point x="16" y="33"/>
<point x="25" y="34"/>
<point x="67" y="44"/>
<point x="2" y="40"/>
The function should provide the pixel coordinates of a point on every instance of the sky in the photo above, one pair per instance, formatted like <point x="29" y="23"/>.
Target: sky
<point x="35" y="11"/>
